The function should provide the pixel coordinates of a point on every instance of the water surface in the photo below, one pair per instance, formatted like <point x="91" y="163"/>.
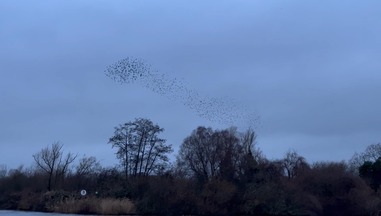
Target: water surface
<point x="26" y="213"/>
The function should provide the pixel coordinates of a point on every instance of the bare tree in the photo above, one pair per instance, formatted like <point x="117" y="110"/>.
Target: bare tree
<point x="371" y="154"/>
<point x="248" y="142"/>
<point x="50" y="161"/>
<point x="229" y="152"/>
<point x="123" y="141"/>
<point x="140" y="149"/>
<point x="197" y="154"/>
<point x="87" y="166"/>
<point x="292" y="163"/>
<point x="209" y="154"/>
<point x="63" y="167"/>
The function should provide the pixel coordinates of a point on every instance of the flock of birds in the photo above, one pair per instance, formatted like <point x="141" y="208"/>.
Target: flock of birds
<point x="220" y="110"/>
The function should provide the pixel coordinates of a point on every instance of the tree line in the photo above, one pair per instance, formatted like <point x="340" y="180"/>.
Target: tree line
<point x="216" y="172"/>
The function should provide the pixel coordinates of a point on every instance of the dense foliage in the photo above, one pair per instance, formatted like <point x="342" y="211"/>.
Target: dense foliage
<point x="218" y="172"/>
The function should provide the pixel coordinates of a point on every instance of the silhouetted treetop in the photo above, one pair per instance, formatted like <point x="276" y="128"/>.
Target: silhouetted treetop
<point x="139" y="148"/>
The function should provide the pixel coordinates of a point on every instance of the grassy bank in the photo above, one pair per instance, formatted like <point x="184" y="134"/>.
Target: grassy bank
<point x="93" y="205"/>
<point x="65" y="202"/>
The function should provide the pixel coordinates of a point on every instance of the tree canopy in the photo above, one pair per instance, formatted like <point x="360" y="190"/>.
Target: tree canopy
<point x="140" y="149"/>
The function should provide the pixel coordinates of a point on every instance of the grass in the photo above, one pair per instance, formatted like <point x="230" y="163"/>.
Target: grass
<point x="93" y="205"/>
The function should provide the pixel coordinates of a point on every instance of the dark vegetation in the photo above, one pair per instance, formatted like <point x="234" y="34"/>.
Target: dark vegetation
<point x="217" y="172"/>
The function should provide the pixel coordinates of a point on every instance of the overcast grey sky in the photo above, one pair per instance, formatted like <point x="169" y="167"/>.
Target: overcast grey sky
<point x="309" y="69"/>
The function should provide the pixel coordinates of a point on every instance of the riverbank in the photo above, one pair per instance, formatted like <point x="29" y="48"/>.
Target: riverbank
<point x="68" y="203"/>
<point x="99" y="206"/>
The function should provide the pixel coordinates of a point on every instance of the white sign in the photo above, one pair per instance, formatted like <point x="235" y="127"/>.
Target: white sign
<point x="83" y="192"/>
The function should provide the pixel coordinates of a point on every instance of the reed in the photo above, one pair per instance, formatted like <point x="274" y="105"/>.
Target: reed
<point x="92" y="205"/>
